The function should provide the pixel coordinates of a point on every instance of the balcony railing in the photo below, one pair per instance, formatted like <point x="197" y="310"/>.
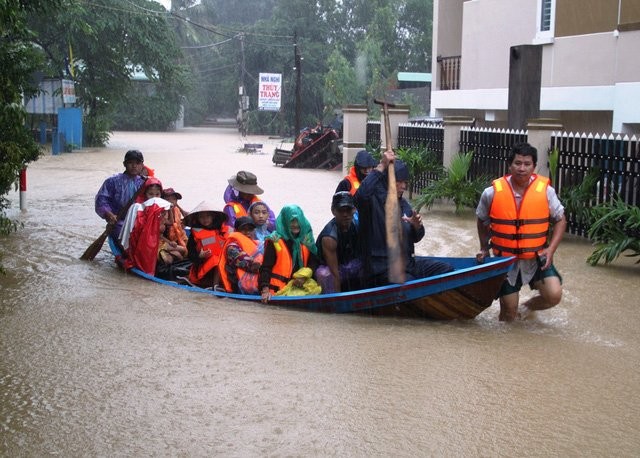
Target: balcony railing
<point x="449" y="72"/>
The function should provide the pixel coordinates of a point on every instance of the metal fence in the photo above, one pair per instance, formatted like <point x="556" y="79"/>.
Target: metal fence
<point x="616" y="157"/>
<point x="373" y="134"/>
<point x="616" y="160"/>
<point x="414" y="135"/>
<point x="423" y="135"/>
<point x="490" y="149"/>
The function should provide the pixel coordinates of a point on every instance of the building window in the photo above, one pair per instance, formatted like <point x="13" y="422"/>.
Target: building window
<point x="545" y="16"/>
<point x="545" y="22"/>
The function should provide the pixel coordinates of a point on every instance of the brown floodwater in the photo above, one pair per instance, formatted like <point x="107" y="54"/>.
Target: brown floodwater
<point x="97" y="362"/>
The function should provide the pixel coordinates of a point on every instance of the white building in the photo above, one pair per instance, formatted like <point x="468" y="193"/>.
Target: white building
<point x="587" y="68"/>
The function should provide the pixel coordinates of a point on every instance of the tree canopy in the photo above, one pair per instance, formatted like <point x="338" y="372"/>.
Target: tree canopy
<point x="19" y="60"/>
<point x="100" y="45"/>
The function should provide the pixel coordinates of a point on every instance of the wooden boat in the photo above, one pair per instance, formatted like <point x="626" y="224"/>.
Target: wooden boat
<point x="461" y="294"/>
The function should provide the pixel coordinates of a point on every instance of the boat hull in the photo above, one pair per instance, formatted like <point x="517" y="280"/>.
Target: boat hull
<point x="462" y="294"/>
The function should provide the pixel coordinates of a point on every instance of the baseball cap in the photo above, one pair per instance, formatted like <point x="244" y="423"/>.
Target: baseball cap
<point x="244" y="221"/>
<point x="133" y="155"/>
<point x="343" y="199"/>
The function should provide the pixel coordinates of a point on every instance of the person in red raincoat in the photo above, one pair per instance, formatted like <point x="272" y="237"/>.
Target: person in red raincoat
<point x="144" y="239"/>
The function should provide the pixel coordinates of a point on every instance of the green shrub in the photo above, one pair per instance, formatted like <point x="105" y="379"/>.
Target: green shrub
<point x="454" y="184"/>
<point x="616" y="229"/>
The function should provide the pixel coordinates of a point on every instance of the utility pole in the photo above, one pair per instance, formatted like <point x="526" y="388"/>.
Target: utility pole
<point x="298" y="69"/>
<point x="243" y="104"/>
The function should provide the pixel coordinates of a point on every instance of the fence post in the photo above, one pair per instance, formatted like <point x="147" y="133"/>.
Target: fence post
<point x="397" y="116"/>
<point x="451" y="140"/>
<point x="354" y="132"/>
<point x="539" y="136"/>
<point x="23" y="189"/>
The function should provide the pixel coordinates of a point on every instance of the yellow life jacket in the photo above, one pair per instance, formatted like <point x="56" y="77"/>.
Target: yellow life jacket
<point x="283" y="268"/>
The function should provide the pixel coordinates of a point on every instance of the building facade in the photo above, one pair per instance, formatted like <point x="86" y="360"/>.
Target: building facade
<point x="505" y="61"/>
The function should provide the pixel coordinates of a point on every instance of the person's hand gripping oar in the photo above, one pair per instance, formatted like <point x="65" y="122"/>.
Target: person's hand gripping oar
<point x="393" y="221"/>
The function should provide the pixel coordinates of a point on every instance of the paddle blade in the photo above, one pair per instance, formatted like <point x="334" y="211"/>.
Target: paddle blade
<point x="93" y="250"/>
<point x="395" y="258"/>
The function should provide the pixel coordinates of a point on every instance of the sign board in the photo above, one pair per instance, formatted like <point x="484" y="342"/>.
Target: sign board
<point x="68" y="91"/>
<point x="53" y="94"/>
<point x="269" y="91"/>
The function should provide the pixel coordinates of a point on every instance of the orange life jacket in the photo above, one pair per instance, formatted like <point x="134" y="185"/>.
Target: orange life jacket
<point x="238" y="210"/>
<point x="249" y="246"/>
<point x="237" y="207"/>
<point x="352" y="178"/>
<point x="176" y="230"/>
<point x="519" y="232"/>
<point x="207" y="239"/>
<point x="283" y="268"/>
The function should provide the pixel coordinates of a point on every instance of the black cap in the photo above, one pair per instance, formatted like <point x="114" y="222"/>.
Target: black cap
<point x="343" y="199"/>
<point x="133" y="155"/>
<point x="244" y="221"/>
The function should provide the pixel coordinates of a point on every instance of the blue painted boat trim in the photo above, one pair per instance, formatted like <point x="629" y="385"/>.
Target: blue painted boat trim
<point x="466" y="272"/>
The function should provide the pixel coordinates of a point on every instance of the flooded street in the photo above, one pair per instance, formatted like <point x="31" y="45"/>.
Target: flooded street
<point x="95" y="362"/>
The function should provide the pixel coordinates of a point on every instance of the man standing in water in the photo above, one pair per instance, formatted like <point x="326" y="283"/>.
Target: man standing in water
<point x="513" y="219"/>
<point x="118" y="190"/>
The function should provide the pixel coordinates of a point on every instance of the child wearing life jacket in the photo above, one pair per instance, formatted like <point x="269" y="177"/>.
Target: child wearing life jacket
<point x="204" y="246"/>
<point x="142" y="243"/>
<point x="151" y="188"/>
<point x="175" y="232"/>
<point x="259" y="213"/>
<point x="241" y="259"/>
<point x="243" y="190"/>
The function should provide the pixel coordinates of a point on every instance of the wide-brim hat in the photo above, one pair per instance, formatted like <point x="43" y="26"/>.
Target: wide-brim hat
<point x="245" y="182"/>
<point x="171" y="192"/>
<point x="192" y="218"/>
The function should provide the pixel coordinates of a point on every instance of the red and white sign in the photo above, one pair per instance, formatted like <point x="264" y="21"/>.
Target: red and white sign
<point x="269" y="91"/>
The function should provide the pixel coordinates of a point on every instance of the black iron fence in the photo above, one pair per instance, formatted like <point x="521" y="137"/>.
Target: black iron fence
<point x="616" y="160"/>
<point x="615" y="157"/>
<point x="373" y="134"/>
<point x="490" y="149"/>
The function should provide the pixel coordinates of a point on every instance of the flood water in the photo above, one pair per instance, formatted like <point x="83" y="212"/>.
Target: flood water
<point x="97" y="362"/>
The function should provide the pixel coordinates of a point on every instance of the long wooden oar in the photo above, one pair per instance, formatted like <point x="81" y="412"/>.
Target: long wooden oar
<point x="393" y="226"/>
<point x="93" y="250"/>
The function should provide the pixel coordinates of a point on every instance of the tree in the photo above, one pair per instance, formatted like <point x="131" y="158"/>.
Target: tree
<point x="109" y="42"/>
<point x="19" y="59"/>
<point x="341" y="85"/>
<point x="357" y="44"/>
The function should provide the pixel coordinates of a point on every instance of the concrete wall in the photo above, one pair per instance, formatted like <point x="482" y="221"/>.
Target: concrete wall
<point x="490" y="28"/>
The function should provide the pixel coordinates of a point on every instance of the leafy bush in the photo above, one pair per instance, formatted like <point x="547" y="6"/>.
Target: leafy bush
<point x="578" y="200"/>
<point x="419" y="160"/>
<point x="454" y="184"/>
<point x="616" y="229"/>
